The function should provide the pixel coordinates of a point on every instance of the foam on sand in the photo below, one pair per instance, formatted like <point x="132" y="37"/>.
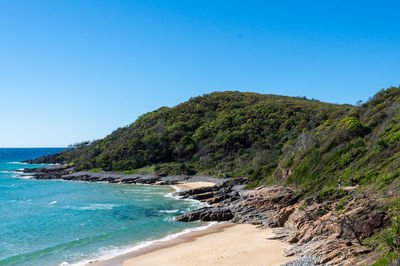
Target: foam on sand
<point x="234" y="245"/>
<point x="106" y="254"/>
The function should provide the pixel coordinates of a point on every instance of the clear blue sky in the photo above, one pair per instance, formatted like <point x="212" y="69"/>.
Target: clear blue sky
<point x="77" y="70"/>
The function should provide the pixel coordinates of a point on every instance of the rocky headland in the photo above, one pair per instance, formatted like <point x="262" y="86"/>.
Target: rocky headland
<point x="69" y="173"/>
<point x="47" y="159"/>
<point x="325" y="229"/>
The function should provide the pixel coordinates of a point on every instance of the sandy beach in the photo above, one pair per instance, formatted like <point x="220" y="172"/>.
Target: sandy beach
<point x="192" y="185"/>
<point x="235" y="245"/>
<point x="221" y="244"/>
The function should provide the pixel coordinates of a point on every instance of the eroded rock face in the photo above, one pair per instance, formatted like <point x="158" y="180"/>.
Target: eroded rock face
<point x="334" y="237"/>
<point x="313" y="227"/>
<point x="257" y="207"/>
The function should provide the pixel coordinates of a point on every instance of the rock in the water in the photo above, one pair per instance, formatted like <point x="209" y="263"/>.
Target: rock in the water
<point x="207" y="214"/>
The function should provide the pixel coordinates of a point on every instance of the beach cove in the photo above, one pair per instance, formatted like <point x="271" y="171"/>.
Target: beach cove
<point x="245" y="241"/>
<point x="56" y="222"/>
<point x="221" y="244"/>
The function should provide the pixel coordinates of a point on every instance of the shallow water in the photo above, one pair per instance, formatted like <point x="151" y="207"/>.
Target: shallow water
<point x="46" y="222"/>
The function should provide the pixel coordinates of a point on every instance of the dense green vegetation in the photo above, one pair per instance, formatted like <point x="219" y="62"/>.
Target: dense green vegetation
<point x="387" y="242"/>
<point x="221" y="134"/>
<point x="268" y="138"/>
<point x="361" y="143"/>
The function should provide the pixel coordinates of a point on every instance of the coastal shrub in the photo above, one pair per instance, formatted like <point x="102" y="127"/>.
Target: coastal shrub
<point x="95" y="170"/>
<point x="381" y="145"/>
<point x="349" y="127"/>
<point x="391" y="258"/>
<point x="387" y="242"/>
<point x="320" y="212"/>
<point x="147" y="169"/>
<point x="331" y="194"/>
<point x="339" y="207"/>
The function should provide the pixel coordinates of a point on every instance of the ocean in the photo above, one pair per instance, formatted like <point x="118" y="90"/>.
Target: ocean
<point x="51" y="222"/>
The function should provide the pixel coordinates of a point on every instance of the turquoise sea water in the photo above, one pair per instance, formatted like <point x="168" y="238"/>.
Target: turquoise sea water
<point x="45" y="222"/>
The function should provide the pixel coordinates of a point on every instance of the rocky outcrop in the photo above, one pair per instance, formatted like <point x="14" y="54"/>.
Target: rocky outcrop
<point x="207" y="214"/>
<point x="69" y="173"/>
<point x="315" y="228"/>
<point x="48" y="159"/>
<point x="49" y="172"/>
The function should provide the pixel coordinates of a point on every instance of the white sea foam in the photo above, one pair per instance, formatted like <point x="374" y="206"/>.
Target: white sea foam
<point x="23" y="176"/>
<point x="93" y="207"/>
<point x="108" y="253"/>
<point x="10" y="172"/>
<point x="169" y="211"/>
<point x="176" y="188"/>
<point x="172" y="194"/>
<point x="196" y="202"/>
<point x="33" y="163"/>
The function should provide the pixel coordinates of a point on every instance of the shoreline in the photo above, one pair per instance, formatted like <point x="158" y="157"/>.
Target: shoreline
<point x="68" y="173"/>
<point x="169" y="240"/>
<point x="224" y="202"/>
<point x="181" y="237"/>
<point x="221" y="243"/>
<point x="175" y="183"/>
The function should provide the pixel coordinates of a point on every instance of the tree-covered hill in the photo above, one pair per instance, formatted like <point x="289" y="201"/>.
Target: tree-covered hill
<point x="268" y="138"/>
<point x="221" y="134"/>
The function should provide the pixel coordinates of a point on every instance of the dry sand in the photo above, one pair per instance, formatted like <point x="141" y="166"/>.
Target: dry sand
<point x="228" y="245"/>
<point x="191" y="185"/>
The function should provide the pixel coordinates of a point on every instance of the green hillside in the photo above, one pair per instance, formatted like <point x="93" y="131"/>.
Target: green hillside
<point x="361" y="143"/>
<point x="268" y="138"/>
<point x="220" y="134"/>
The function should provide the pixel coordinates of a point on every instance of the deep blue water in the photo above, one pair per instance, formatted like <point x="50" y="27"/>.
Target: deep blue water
<point x="45" y="222"/>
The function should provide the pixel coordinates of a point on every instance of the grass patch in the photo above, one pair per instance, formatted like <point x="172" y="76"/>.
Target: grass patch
<point x="143" y="170"/>
<point x="95" y="170"/>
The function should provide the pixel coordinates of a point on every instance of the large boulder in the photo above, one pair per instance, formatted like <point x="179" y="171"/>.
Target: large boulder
<point x="207" y="214"/>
